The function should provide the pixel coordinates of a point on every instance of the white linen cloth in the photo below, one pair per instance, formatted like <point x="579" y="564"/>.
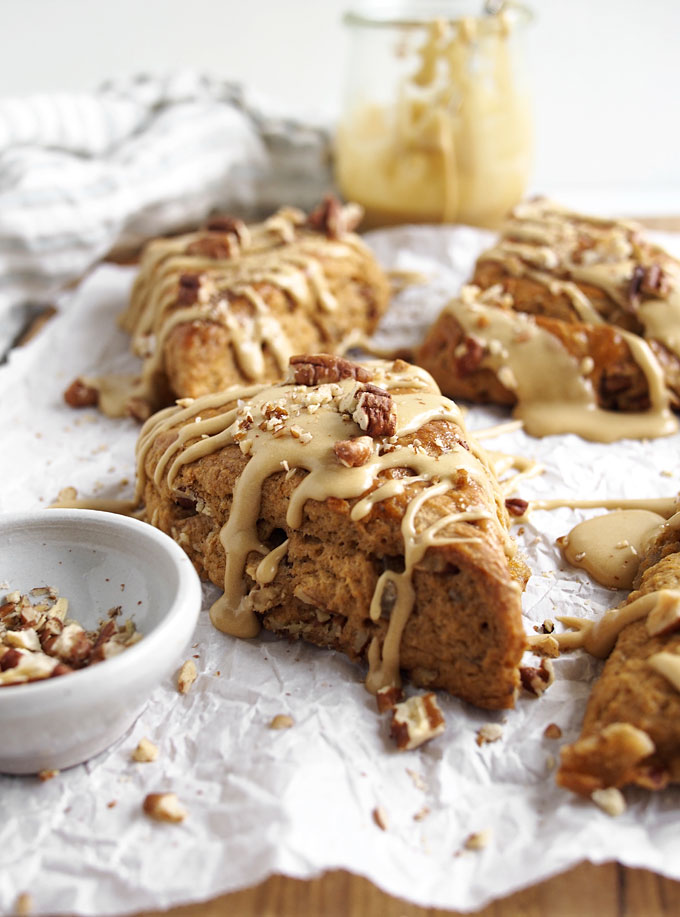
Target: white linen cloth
<point x="84" y="174"/>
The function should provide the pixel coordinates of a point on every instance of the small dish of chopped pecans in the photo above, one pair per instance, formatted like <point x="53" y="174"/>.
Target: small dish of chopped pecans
<point x="95" y="610"/>
<point x="38" y="640"/>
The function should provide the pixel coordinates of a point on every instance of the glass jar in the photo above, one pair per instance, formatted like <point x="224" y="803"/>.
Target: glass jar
<point x="436" y="123"/>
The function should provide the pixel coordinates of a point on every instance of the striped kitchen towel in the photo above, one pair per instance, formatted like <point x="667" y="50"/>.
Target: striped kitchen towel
<point x="82" y="175"/>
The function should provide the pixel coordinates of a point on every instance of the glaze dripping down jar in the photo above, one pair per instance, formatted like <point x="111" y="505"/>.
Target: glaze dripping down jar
<point x="436" y="124"/>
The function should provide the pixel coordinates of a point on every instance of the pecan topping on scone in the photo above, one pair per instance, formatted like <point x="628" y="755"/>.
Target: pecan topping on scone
<point x="353" y="452"/>
<point x="189" y="285"/>
<point x="230" y="225"/>
<point x="470" y="356"/>
<point x="315" y="369"/>
<point x="651" y="281"/>
<point x="333" y="218"/>
<point x="375" y="412"/>
<point x="215" y="246"/>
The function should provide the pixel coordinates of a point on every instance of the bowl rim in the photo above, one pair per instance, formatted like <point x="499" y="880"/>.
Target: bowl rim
<point x="184" y="609"/>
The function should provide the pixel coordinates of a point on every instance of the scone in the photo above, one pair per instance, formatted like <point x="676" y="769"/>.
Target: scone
<point x="631" y="730"/>
<point x="231" y="303"/>
<point x="347" y="507"/>
<point x="588" y="341"/>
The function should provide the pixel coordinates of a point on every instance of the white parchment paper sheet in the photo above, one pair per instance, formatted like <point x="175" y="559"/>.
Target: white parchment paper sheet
<point x="300" y="801"/>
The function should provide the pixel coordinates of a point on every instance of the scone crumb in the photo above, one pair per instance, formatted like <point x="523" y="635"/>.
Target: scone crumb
<point x="47" y="773"/>
<point x="421" y="813"/>
<point x="164" y="807"/>
<point x="478" y="840"/>
<point x="23" y="906"/>
<point x="145" y="752"/>
<point x="552" y="731"/>
<point x="610" y="800"/>
<point x="544" y="645"/>
<point x="187" y="676"/>
<point x="380" y="818"/>
<point x="282" y="721"/>
<point x="489" y="732"/>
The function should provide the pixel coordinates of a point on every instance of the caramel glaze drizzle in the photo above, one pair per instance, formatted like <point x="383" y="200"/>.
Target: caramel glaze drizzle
<point x="659" y="608"/>
<point x="294" y="427"/>
<point x="279" y="252"/>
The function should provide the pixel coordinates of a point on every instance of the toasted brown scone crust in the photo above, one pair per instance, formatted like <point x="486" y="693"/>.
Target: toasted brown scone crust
<point x="464" y="633"/>
<point x="631" y="729"/>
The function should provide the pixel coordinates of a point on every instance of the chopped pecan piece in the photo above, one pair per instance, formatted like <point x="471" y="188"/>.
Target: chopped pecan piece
<point x="9" y="659"/>
<point x="353" y="452"/>
<point x="333" y="218"/>
<point x="516" y="507"/>
<point x="187" y="676"/>
<point x="231" y="225"/>
<point x="651" y="281"/>
<point x="375" y="412"/>
<point x="537" y="679"/>
<point x="416" y="720"/>
<point x="282" y="721"/>
<point x="315" y="369"/>
<point x="189" y="285"/>
<point x="471" y="356"/>
<point x="214" y="246"/>
<point x="387" y="698"/>
<point x="145" y="752"/>
<point x="164" y="807"/>
<point x="610" y="800"/>
<point x="81" y="395"/>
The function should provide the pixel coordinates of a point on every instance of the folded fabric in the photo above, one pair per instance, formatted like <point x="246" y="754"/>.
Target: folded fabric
<point x="82" y="175"/>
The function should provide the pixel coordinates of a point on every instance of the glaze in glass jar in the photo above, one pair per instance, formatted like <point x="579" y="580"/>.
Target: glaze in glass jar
<point x="436" y="123"/>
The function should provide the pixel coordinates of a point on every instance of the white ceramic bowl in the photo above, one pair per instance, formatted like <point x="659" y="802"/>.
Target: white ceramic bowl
<point x="96" y="560"/>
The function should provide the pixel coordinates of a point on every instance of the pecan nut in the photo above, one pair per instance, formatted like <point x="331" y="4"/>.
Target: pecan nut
<point x="650" y="281"/>
<point x="318" y="368"/>
<point x="375" y="411"/>
<point x="416" y="720"/>
<point x="353" y="452"/>
<point x="229" y="225"/>
<point x="516" y="506"/>
<point x="189" y="285"/>
<point x="468" y="360"/>
<point x="537" y="679"/>
<point x="214" y="246"/>
<point x="81" y="395"/>
<point x="333" y="218"/>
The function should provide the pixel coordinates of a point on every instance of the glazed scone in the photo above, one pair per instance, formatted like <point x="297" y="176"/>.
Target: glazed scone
<point x="231" y="303"/>
<point x="590" y="325"/>
<point x="347" y="507"/>
<point x="631" y="729"/>
<point x="595" y="380"/>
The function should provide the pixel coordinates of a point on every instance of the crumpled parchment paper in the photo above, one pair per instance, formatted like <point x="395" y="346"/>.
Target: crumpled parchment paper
<point x="299" y="801"/>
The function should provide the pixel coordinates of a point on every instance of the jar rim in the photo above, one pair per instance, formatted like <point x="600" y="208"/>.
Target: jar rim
<point x="387" y="13"/>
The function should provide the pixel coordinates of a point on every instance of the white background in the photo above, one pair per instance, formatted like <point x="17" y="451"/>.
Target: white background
<point x="606" y="73"/>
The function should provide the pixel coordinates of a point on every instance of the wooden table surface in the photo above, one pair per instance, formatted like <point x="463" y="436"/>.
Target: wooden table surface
<point x="609" y="890"/>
